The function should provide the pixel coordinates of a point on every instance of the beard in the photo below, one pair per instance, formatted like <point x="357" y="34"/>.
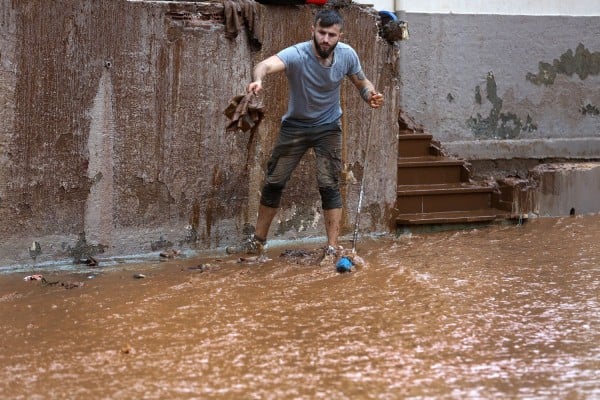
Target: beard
<point x="323" y="53"/>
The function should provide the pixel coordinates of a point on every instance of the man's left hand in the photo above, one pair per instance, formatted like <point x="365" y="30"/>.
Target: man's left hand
<point x="376" y="99"/>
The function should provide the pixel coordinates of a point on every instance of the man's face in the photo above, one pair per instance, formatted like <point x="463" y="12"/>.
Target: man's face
<point x="325" y="39"/>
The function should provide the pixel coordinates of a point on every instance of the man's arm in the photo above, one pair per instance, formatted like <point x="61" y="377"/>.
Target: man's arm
<point x="262" y="69"/>
<point x="367" y="89"/>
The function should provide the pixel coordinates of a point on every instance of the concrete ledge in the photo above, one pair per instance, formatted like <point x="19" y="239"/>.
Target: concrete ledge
<point x="585" y="148"/>
<point x="567" y="188"/>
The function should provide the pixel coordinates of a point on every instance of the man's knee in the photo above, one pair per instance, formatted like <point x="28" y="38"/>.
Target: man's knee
<point x="271" y="195"/>
<point x="330" y="198"/>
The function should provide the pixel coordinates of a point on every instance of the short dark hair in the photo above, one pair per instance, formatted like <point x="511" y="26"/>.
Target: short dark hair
<point x="328" y="17"/>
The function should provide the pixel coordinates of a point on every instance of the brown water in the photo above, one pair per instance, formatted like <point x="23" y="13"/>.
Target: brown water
<point x="498" y="312"/>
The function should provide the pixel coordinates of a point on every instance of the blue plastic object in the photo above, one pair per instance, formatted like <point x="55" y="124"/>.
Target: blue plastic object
<point x="344" y="264"/>
<point x="387" y="16"/>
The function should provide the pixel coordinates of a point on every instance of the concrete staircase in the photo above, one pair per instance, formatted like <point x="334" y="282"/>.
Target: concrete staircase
<point x="434" y="189"/>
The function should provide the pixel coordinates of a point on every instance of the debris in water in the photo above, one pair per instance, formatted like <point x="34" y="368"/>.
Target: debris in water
<point x="127" y="349"/>
<point x="35" y="277"/>
<point x="200" y="267"/>
<point x="254" y="259"/>
<point x="139" y="276"/>
<point x="301" y="256"/>
<point x="173" y="253"/>
<point x="357" y="260"/>
<point x="296" y="253"/>
<point x="344" y="264"/>
<point x="71" y="285"/>
<point x="90" y="261"/>
<point x="48" y="283"/>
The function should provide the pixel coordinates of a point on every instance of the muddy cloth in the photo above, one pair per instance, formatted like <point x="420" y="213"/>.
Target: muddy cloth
<point x="245" y="112"/>
<point x="238" y="14"/>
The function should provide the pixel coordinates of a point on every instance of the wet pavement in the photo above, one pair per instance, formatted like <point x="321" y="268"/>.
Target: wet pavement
<point x="508" y="311"/>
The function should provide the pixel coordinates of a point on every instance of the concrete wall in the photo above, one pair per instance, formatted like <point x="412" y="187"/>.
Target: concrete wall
<point x="567" y="188"/>
<point x="506" y="7"/>
<point x="504" y="86"/>
<point x="112" y="127"/>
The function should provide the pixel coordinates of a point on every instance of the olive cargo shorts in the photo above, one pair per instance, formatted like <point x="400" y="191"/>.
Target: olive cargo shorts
<point x="292" y="143"/>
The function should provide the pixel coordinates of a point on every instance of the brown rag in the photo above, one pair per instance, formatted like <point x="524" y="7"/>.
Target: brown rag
<point x="245" y="112"/>
<point x="234" y="24"/>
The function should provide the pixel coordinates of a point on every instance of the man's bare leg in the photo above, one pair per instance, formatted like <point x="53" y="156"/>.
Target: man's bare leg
<point x="256" y="243"/>
<point x="263" y="222"/>
<point x="333" y="220"/>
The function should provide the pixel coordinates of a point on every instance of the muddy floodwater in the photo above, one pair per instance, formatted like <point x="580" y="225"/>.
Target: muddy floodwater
<point x="507" y="311"/>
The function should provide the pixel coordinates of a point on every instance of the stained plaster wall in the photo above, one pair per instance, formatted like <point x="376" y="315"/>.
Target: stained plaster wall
<point x="112" y="137"/>
<point x="504" y="87"/>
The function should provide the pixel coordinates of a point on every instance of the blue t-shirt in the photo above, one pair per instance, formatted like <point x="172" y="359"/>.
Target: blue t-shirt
<point x="314" y="90"/>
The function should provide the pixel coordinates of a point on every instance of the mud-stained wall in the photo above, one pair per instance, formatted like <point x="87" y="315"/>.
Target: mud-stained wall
<point x="112" y="126"/>
<point x="494" y="87"/>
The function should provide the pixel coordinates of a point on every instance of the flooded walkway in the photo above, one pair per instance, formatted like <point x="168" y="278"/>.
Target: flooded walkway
<point x="498" y="312"/>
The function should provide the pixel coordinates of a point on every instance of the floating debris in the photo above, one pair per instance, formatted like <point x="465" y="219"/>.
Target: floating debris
<point x="71" y="285"/>
<point x="297" y="253"/>
<point x="200" y="267"/>
<point x="356" y="260"/>
<point x="48" y="283"/>
<point x="35" y="277"/>
<point x="127" y="349"/>
<point x="139" y="276"/>
<point x="254" y="259"/>
<point x="301" y="256"/>
<point x="344" y="264"/>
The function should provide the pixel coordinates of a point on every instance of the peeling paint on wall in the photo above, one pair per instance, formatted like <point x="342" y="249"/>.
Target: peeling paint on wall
<point x="497" y="125"/>
<point x="589" y="109"/>
<point x="478" y="98"/>
<point x="583" y="63"/>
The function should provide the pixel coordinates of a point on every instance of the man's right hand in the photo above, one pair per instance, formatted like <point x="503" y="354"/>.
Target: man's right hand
<point x="254" y="87"/>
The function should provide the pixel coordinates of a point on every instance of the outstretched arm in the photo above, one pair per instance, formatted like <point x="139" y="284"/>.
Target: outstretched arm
<point x="262" y="69"/>
<point x="367" y="89"/>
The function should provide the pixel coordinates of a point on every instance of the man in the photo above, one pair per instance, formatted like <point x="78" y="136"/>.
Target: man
<point x="315" y="70"/>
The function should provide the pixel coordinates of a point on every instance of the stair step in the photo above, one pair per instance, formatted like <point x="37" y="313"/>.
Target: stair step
<point x="415" y="136"/>
<point x="430" y="160"/>
<point x="454" y="217"/>
<point x="442" y="198"/>
<point x="414" y="145"/>
<point x="429" y="170"/>
<point x="442" y="188"/>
